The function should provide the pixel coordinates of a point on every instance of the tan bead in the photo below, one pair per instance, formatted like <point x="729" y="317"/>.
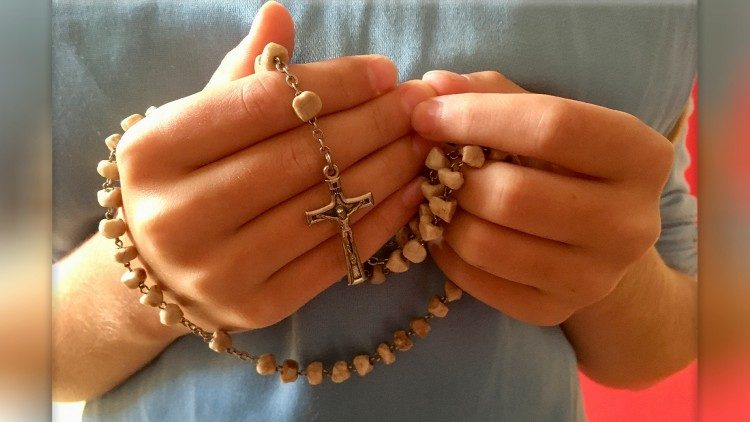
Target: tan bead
<point x="402" y="341"/>
<point x="150" y="110"/>
<point x="452" y="179"/>
<point x="130" y="121"/>
<point x="109" y="198"/>
<point x="270" y="52"/>
<point x="452" y="292"/>
<point x="307" y="105"/>
<point x="402" y="236"/>
<point x="288" y="371"/>
<point x="429" y="190"/>
<point x="436" y="159"/>
<point x="340" y="372"/>
<point x="220" y="341"/>
<point x="443" y="209"/>
<point x="425" y="212"/>
<point x="436" y="307"/>
<point x="362" y="365"/>
<point x="497" y="155"/>
<point x="153" y="297"/>
<point x="266" y="364"/>
<point x="377" y="277"/>
<point x="171" y="314"/>
<point x="315" y="373"/>
<point x="429" y="231"/>
<point x="126" y="254"/>
<point x="414" y="251"/>
<point x="414" y="227"/>
<point x="108" y="169"/>
<point x="132" y="279"/>
<point x="420" y="327"/>
<point x="472" y="155"/>
<point x="112" y="141"/>
<point x="386" y="354"/>
<point x="112" y="229"/>
<point x="397" y="263"/>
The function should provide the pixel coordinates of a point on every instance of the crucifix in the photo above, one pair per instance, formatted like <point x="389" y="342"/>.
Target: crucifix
<point x="339" y="210"/>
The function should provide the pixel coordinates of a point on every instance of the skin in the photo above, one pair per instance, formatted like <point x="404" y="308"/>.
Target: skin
<point x="237" y="142"/>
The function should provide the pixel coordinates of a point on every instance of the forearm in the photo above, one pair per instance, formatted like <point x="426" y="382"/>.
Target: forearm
<point x="643" y="331"/>
<point x="101" y="333"/>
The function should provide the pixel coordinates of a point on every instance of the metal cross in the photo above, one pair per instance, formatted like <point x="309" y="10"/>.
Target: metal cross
<point x="339" y="210"/>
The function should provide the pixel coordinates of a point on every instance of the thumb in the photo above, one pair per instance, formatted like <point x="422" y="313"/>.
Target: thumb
<point x="272" y="23"/>
<point x="446" y="83"/>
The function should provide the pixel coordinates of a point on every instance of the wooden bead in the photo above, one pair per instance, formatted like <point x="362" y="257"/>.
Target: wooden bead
<point x="340" y="372"/>
<point x="288" y="371"/>
<point x="436" y="159"/>
<point x="425" y="212"/>
<point x="429" y="231"/>
<point x="377" y="277"/>
<point x="266" y="364"/>
<point x="414" y="227"/>
<point x="171" y="314"/>
<point x="150" y="110"/>
<point x="436" y="307"/>
<point x="132" y="279"/>
<point x="452" y="292"/>
<point x="386" y="354"/>
<point x="153" y="297"/>
<point x="397" y="263"/>
<point x="307" y="105"/>
<point x="362" y="365"/>
<point x="420" y="327"/>
<point x="429" y="190"/>
<point x="108" y="170"/>
<point x="126" y="254"/>
<point x="414" y="251"/>
<point x="111" y="198"/>
<point x="130" y="121"/>
<point x="402" y="341"/>
<point x="112" y="229"/>
<point x="220" y="341"/>
<point x="402" y="236"/>
<point x="112" y="141"/>
<point x="452" y="179"/>
<point x="443" y="209"/>
<point x="497" y="155"/>
<point x="472" y="155"/>
<point x="315" y="373"/>
<point x="270" y="52"/>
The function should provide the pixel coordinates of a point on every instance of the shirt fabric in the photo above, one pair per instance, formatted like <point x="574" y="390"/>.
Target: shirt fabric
<point x="115" y="58"/>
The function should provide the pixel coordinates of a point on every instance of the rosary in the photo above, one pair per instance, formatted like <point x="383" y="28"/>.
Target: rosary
<point x="443" y="177"/>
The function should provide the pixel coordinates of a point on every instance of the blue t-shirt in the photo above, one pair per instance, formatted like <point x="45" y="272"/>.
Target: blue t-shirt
<point x="114" y="58"/>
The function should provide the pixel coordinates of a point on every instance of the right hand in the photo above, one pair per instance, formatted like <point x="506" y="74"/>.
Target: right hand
<point x="215" y="185"/>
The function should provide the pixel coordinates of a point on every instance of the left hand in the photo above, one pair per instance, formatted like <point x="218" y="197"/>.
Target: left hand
<point x="540" y="242"/>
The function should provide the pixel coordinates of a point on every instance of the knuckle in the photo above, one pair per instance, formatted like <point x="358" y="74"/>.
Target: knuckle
<point x="554" y="122"/>
<point x="508" y="191"/>
<point x="468" y="241"/>
<point x="254" y="95"/>
<point x="298" y="158"/>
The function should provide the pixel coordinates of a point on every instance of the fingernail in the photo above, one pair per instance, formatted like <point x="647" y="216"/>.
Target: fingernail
<point x="425" y="116"/>
<point x="382" y="73"/>
<point x="437" y="74"/>
<point x="415" y="93"/>
<point x="411" y="196"/>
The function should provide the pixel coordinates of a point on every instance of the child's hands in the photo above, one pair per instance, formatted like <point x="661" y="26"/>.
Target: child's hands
<point x="541" y="242"/>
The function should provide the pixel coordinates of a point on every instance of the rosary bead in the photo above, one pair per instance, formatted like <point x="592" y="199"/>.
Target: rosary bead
<point x="442" y="208"/>
<point x="425" y="213"/>
<point x="307" y="105"/>
<point x="108" y="170"/>
<point x="472" y="155"/>
<point x="386" y="354"/>
<point x="414" y="227"/>
<point x="126" y="254"/>
<point x="315" y="373"/>
<point x="397" y="263"/>
<point x="153" y="297"/>
<point x="112" y="141"/>
<point x="452" y="179"/>
<point x="220" y="341"/>
<point x="378" y="277"/>
<point x="452" y="292"/>
<point x="436" y="307"/>
<point x="270" y="52"/>
<point x="414" y="251"/>
<point x="402" y="341"/>
<point x="420" y="327"/>
<point x="497" y="155"/>
<point x="288" y="371"/>
<point x="362" y="365"/>
<point x="429" y="190"/>
<point x="112" y="229"/>
<point x="171" y="314"/>
<point x="111" y="198"/>
<point x="266" y="364"/>
<point x="132" y="279"/>
<point x="150" y="110"/>
<point x="340" y="372"/>
<point x="402" y="236"/>
<point x="130" y="121"/>
<point x="436" y="159"/>
<point x="429" y="231"/>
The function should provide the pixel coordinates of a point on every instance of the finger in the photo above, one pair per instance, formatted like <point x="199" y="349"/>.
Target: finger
<point x="540" y="203"/>
<point x="577" y="136"/>
<point x="446" y="82"/>
<point x="220" y="121"/>
<point x="272" y="23"/>
<point x="292" y="161"/>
